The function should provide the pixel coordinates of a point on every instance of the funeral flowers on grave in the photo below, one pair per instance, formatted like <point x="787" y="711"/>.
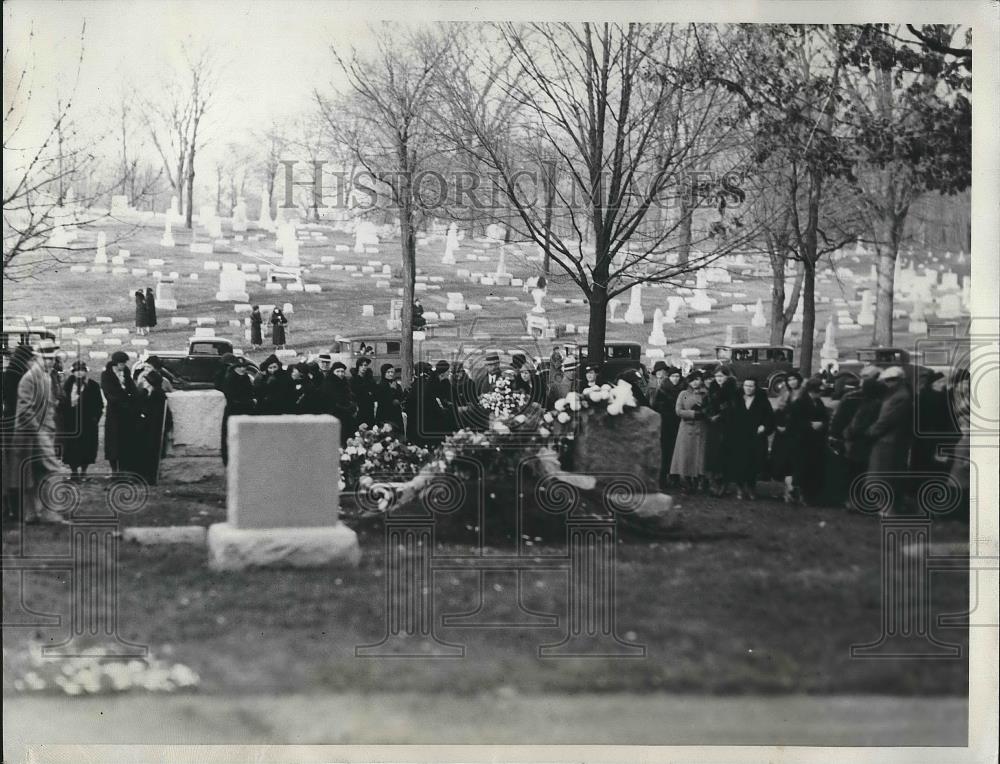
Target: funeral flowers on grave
<point x="375" y="452"/>
<point x="504" y="402"/>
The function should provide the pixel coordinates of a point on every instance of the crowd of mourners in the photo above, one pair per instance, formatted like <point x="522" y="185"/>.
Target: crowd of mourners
<point x="51" y="420"/>
<point x="717" y="433"/>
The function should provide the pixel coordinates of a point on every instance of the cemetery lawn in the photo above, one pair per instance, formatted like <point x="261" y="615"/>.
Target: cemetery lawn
<point x="749" y="598"/>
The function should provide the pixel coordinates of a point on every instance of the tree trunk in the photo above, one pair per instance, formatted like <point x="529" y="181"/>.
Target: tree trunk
<point x="598" y="323"/>
<point x="808" y="317"/>
<point x="778" y="325"/>
<point x="888" y="250"/>
<point x="408" y="247"/>
<point x="188" y="218"/>
<point x="550" y="195"/>
<point x="684" y="252"/>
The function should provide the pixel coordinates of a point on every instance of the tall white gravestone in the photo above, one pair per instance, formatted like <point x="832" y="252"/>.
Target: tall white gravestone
<point x="634" y="313"/>
<point x="240" y="217"/>
<point x="101" y="256"/>
<point x="450" y="245"/>
<point x="657" y="338"/>
<point x="167" y="240"/>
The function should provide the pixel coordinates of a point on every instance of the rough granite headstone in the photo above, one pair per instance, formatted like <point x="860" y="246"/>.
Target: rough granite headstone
<point x="627" y="443"/>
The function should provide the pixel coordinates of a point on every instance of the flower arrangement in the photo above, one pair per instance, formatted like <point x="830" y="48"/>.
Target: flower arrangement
<point x="562" y="420"/>
<point x="377" y="451"/>
<point x="504" y="402"/>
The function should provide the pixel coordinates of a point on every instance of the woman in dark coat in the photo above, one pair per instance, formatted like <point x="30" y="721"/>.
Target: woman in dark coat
<point x="256" y="320"/>
<point x="722" y="394"/>
<point x="857" y="444"/>
<point x="141" y="313"/>
<point x="79" y="412"/>
<point x="304" y="396"/>
<point x="278" y="323"/>
<point x="808" y="420"/>
<point x="781" y="445"/>
<point x="238" y="389"/>
<point x="150" y="307"/>
<point x="665" y="403"/>
<point x="119" y="420"/>
<point x="20" y="360"/>
<point x="389" y="399"/>
<point x="153" y="424"/>
<point x="271" y="388"/>
<point x="363" y="388"/>
<point x="750" y="422"/>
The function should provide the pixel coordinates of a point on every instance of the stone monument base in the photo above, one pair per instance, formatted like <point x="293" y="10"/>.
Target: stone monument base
<point x="231" y="548"/>
<point x="166" y="304"/>
<point x="232" y="296"/>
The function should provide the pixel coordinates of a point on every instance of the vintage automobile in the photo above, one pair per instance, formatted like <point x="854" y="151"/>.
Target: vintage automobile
<point x="765" y="363"/>
<point x="196" y="368"/>
<point x="883" y="358"/>
<point x="618" y="356"/>
<point x="13" y="336"/>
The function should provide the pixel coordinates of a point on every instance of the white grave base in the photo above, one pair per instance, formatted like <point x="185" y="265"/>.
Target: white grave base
<point x="231" y="548"/>
<point x="166" y="304"/>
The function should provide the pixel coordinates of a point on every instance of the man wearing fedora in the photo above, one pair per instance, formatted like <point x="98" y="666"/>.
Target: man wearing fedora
<point x="891" y="436"/>
<point x="35" y="431"/>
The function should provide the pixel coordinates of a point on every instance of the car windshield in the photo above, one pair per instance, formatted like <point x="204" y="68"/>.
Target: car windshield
<point x="205" y="348"/>
<point x="619" y="351"/>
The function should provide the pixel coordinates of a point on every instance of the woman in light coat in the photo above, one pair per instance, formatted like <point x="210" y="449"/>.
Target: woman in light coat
<point x="688" y="460"/>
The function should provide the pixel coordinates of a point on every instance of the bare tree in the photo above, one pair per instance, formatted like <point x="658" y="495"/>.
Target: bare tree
<point x="385" y="124"/>
<point x="176" y="120"/>
<point x="606" y="100"/>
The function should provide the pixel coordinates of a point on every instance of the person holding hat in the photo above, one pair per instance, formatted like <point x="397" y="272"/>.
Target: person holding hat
<point x="153" y="424"/>
<point x="278" y="323"/>
<point x="119" y="421"/>
<point x="34" y="456"/>
<point x="807" y="423"/>
<point x="80" y="410"/>
<point x="389" y="399"/>
<point x="892" y="434"/>
<point x="688" y="459"/>
<point x="664" y="402"/>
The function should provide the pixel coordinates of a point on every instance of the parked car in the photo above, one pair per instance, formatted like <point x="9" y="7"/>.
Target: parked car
<point x="767" y="364"/>
<point x="196" y="368"/>
<point x="13" y="336"/>
<point x="618" y="356"/>
<point x="883" y="358"/>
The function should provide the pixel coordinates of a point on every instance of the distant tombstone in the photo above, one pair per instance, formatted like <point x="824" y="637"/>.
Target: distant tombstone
<point x="866" y="315"/>
<point x="214" y="228"/>
<point x="101" y="256"/>
<point x="918" y="319"/>
<point x="759" y="320"/>
<point x="949" y="281"/>
<point x="656" y="337"/>
<point x="366" y="235"/>
<point x="701" y="279"/>
<point x="950" y="306"/>
<point x="538" y="295"/>
<point x="167" y="240"/>
<point x="264" y="221"/>
<point x="240" y="216"/>
<point x="829" y="351"/>
<point x="859" y="248"/>
<point x="613" y="306"/>
<point x="395" y="320"/>
<point x="737" y="334"/>
<point x="289" y="246"/>
<point x="450" y="245"/>
<point x="634" y="313"/>
<point x="119" y="204"/>
<point x="175" y="209"/>
<point x="700" y="302"/>
<point x="456" y="301"/>
<point x="495" y="232"/>
<point x="232" y="286"/>
<point x="282" y="516"/>
<point x="165" y="297"/>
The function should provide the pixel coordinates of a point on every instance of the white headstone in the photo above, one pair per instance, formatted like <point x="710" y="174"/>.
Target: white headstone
<point x="165" y="297"/>
<point x="240" y="216"/>
<point x="167" y="240"/>
<point x="101" y="257"/>
<point x="450" y="245"/>
<point x="866" y="315"/>
<point x="829" y="351"/>
<point x="657" y="338"/>
<point x="265" y="220"/>
<point x="613" y="306"/>
<point x="634" y="313"/>
<point x="759" y="320"/>
<point x="232" y="286"/>
<point x="538" y="295"/>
